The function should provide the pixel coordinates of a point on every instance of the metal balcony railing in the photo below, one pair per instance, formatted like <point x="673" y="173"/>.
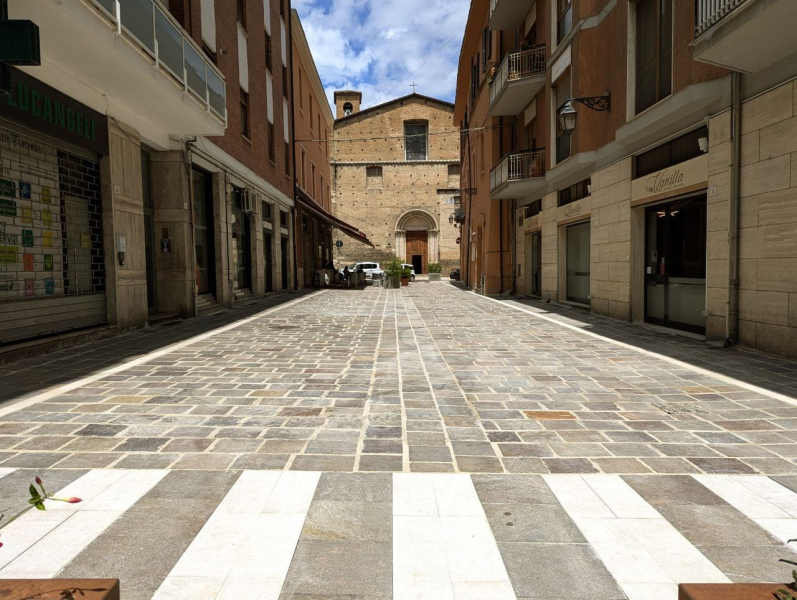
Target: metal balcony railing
<point x="161" y="37"/>
<point x="517" y="65"/>
<point x="459" y="215"/>
<point x="711" y="12"/>
<point x="517" y="166"/>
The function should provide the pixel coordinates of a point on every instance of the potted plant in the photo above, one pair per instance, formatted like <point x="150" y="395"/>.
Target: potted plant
<point x="393" y="271"/>
<point x="405" y="276"/>
<point x="434" y="271"/>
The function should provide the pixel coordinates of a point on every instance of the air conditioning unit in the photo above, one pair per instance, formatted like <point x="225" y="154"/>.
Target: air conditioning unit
<point x="249" y="201"/>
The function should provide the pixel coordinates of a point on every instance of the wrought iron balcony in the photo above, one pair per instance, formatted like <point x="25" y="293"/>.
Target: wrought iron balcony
<point x="710" y="12"/>
<point x="508" y="14"/>
<point x="518" y="174"/>
<point x="745" y="35"/>
<point x="515" y="83"/>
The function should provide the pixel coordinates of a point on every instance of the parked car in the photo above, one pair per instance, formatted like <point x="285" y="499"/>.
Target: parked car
<point x="411" y="268"/>
<point x="369" y="268"/>
<point x="454" y="274"/>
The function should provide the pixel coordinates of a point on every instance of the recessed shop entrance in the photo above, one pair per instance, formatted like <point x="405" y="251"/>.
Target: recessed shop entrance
<point x="533" y="263"/>
<point x="675" y="264"/>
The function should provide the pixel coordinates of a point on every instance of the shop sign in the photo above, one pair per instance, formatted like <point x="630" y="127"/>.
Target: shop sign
<point x="574" y="211"/>
<point x="45" y="109"/>
<point x="679" y="179"/>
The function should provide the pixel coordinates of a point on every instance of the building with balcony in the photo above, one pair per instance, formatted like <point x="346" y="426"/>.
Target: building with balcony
<point x="396" y="177"/>
<point x="314" y="222"/>
<point x="135" y="178"/>
<point x="641" y="180"/>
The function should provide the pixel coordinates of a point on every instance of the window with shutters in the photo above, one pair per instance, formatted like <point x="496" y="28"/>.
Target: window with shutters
<point x="240" y="8"/>
<point x="269" y="54"/>
<point x="272" y="151"/>
<point x="416" y="139"/>
<point x="373" y="177"/>
<point x="653" y="52"/>
<point x="244" y="114"/>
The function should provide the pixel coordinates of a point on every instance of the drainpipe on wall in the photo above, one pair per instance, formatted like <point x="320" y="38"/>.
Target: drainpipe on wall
<point x="187" y="161"/>
<point x="513" y="241"/>
<point x="732" y="312"/>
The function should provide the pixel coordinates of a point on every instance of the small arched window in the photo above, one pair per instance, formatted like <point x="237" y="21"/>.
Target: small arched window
<point x="347" y="109"/>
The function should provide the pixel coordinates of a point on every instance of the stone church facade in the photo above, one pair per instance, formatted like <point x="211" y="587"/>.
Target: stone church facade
<point x="395" y="176"/>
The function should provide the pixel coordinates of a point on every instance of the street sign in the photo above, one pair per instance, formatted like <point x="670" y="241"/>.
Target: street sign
<point x="339" y="243"/>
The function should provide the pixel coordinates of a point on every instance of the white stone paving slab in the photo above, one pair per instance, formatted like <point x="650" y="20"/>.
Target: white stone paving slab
<point x="41" y="544"/>
<point x="443" y="546"/>
<point x="249" y="540"/>
<point x="645" y="554"/>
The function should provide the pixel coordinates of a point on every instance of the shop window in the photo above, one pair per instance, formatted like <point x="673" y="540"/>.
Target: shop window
<point x="653" y="52"/>
<point x="373" y="177"/>
<point x="416" y="140"/>
<point x="578" y="267"/>
<point x="678" y="150"/>
<point x="532" y="209"/>
<point x="577" y="191"/>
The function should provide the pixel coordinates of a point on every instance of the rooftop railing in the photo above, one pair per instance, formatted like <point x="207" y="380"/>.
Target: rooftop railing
<point x="161" y="37"/>
<point x="711" y="12"/>
<point x="518" y="166"/>
<point x="517" y="65"/>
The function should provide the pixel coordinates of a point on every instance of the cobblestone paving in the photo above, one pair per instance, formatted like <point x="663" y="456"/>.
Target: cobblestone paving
<point x="427" y="378"/>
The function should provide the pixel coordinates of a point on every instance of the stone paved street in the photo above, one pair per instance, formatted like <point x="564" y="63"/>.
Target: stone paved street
<point x="428" y="378"/>
<point x="532" y="451"/>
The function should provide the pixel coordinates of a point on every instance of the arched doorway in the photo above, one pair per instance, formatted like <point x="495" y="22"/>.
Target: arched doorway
<point x="416" y="239"/>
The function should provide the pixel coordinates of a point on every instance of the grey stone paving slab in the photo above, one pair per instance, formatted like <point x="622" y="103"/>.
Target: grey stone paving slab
<point x="420" y="371"/>
<point x="132" y="549"/>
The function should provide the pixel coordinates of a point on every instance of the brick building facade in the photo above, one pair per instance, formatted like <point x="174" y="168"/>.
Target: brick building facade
<point x="169" y="187"/>
<point x="660" y="207"/>
<point x="395" y="173"/>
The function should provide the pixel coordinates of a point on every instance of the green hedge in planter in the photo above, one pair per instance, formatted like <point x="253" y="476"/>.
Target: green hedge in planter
<point x="435" y="268"/>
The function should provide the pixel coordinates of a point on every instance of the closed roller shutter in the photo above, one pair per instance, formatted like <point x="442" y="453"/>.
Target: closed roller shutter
<point x="52" y="273"/>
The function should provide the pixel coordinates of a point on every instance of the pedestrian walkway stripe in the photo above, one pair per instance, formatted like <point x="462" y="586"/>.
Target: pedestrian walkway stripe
<point x="645" y="554"/>
<point x="770" y="505"/>
<point x="442" y="543"/>
<point x="417" y="535"/>
<point x="41" y="544"/>
<point x="248" y="542"/>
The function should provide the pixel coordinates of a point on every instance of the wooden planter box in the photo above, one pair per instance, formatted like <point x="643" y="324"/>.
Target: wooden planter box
<point x="434" y="277"/>
<point x="731" y="591"/>
<point x="58" y="589"/>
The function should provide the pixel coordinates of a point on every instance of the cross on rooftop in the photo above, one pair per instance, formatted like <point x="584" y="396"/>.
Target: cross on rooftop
<point x="413" y="85"/>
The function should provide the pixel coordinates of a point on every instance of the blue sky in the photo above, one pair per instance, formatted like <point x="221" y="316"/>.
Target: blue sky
<point x="371" y="45"/>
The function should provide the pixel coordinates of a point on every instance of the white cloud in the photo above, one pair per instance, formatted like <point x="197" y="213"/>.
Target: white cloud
<point x="371" y="45"/>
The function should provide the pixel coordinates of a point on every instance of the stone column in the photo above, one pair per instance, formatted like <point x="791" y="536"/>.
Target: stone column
<point x="174" y="260"/>
<point x="401" y="244"/>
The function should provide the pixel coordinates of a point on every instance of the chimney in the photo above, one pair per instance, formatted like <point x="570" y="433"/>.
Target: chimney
<point x="347" y="102"/>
